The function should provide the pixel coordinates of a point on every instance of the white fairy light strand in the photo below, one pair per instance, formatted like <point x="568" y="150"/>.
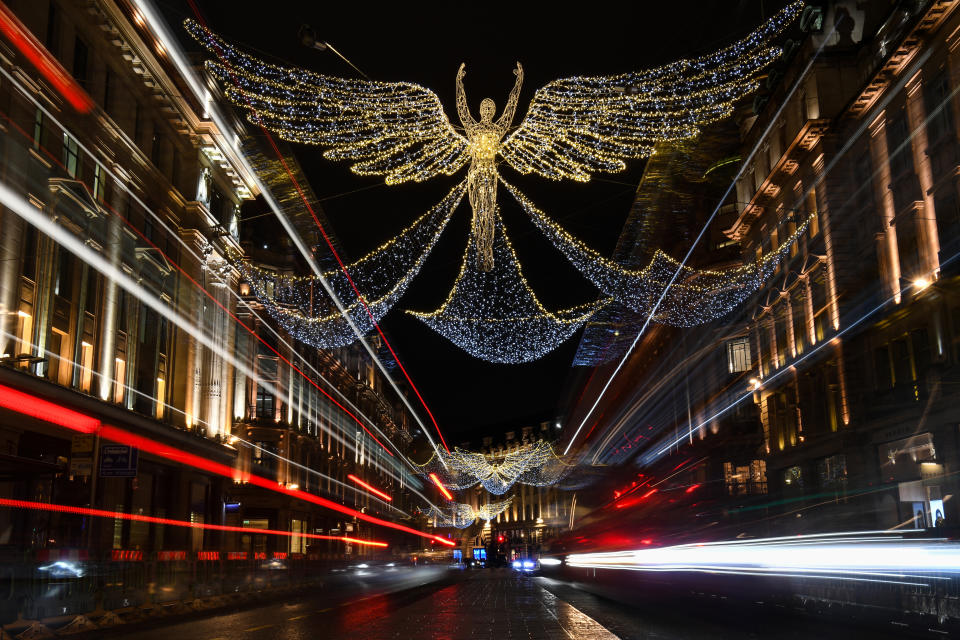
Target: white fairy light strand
<point x="461" y="516"/>
<point x="495" y="315"/>
<point x="698" y="295"/>
<point x="177" y="56"/>
<point x="302" y="307"/>
<point x="574" y="126"/>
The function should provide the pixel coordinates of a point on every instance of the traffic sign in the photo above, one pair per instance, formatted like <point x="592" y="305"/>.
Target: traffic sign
<point x="118" y="461"/>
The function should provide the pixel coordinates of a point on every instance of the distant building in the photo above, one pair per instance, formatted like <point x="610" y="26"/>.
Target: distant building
<point x="535" y="514"/>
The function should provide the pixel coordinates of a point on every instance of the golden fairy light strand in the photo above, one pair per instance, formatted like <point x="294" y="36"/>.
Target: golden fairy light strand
<point x="574" y="127"/>
<point x="463" y="515"/>
<point x="533" y="464"/>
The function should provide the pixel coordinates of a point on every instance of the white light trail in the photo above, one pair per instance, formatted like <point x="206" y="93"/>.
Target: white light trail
<point x="861" y="557"/>
<point x="918" y="285"/>
<point x="175" y="54"/>
<point x="17" y="204"/>
<point x="162" y="221"/>
<point x="703" y="230"/>
<point x="235" y="438"/>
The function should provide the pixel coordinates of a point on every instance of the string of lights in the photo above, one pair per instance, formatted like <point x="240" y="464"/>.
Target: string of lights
<point x="574" y="126"/>
<point x="301" y="305"/>
<point x="495" y="315"/>
<point x="395" y="129"/>
<point x="533" y="464"/>
<point x="582" y="125"/>
<point x="697" y="296"/>
<point x="463" y="515"/>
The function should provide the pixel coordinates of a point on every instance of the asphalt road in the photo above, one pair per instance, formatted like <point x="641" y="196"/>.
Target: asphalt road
<point x="495" y="604"/>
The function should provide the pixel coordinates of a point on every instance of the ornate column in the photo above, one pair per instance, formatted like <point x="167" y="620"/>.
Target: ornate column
<point x="925" y="219"/>
<point x="880" y="157"/>
<point x="188" y="357"/>
<point x="108" y="316"/>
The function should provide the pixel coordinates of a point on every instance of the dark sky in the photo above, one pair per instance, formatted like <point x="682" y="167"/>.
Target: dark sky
<point x="411" y="42"/>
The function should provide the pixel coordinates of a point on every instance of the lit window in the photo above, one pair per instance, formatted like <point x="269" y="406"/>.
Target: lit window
<point x="738" y="355"/>
<point x="119" y="377"/>
<point x="99" y="182"/>
<point x="161" y="397"/>
<point x="24" y="332"/>
<point x="71" y="156"/>
<point x="86" y="365"/>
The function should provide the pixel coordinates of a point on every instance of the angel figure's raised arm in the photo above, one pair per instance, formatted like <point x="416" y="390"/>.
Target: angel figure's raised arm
<point x="463" y="110"/>
<point x="508" y="111"/>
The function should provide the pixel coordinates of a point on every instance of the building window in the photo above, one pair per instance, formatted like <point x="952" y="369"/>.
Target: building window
<point x="64" y="284"/>
<point x="937" y="101"/>
<point x="155" y="149"/>
<point x="161" y="396"/>
<point x="793" y="477"/>
<point x="71" y="156"/>
<point x="30" y="252"/>
<point x="24" y="332"/>
<point x="80" y="61"/>
<point x="265" y="406"/>
<point x="99" y="182"/>
<point x="298" y="543"/>
<point x="106" y="92"/>
<point x="53" y="30"/>
<point x="137" y="123"/>
<point x="38" y="130"/>
<point x="948" y="221"/>
<point x="738" y="355"/>
<point x="750" y="479"/>
<point x="265" y="458"/>
<point x="119" y="379"/>
<point x="833" y="472"/>
<point x="86" y="366"/>
<point x="883" y="372"/>
<point x="898" y="144"/>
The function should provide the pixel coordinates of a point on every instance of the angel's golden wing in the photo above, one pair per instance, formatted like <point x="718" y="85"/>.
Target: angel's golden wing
<point x="583" y="125"/>
<point x="394" y="129"/>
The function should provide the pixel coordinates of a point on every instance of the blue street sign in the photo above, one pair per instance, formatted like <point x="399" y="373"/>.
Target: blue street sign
<point x="118" y="461"/>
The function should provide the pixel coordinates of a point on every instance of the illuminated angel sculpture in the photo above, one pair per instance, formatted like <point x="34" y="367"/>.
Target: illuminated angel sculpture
<point x="574" y="127"/>
<point x="485" y="137"/>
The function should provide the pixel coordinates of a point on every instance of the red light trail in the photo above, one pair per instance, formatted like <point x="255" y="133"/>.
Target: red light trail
<point x="630" y="503"/>
<point x="369" y="488"/>
<point x="120" y="515"/>
<point x="50" y="412"/>
<point x="443" y="489"/>
<point x="212" y="298"/>
<point x="27" y="44"/>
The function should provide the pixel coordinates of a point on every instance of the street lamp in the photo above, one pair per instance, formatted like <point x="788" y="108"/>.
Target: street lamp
<point x="308" y="38"/>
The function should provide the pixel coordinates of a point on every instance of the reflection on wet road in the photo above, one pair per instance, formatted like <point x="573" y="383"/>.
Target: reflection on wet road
<point x="437" y="603"/>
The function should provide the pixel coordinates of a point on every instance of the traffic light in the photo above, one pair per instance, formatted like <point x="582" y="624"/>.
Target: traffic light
<point x="500" y="539"/>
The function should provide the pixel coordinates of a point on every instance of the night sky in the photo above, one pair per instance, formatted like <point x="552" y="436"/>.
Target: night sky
<point x="468" y="396"/>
